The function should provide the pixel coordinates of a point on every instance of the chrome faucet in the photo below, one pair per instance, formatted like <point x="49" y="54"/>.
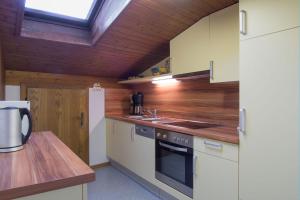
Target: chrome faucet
<point x="152" y="113"/>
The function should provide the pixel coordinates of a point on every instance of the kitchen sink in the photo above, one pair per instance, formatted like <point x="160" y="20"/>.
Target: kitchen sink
<point x="151" y="119"/>
<point x="145" y="118"/>
<point x="192" y="124"/>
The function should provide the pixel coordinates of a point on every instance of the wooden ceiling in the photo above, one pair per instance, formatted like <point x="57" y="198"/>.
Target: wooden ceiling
<point x="136" y="40"/>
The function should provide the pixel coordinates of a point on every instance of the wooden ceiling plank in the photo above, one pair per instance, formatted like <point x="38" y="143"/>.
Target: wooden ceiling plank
<point x="137" y="39"/>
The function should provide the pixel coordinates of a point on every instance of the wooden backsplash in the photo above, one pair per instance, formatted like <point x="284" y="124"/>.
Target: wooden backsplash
<point x="195" y="99"/>
<point x="117" y="101"/>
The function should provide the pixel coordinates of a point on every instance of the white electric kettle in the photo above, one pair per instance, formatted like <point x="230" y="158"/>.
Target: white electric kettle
<point x="11" y="136"/>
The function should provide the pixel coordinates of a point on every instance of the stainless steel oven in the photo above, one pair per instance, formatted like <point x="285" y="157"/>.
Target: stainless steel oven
<point x="174" y="160"/>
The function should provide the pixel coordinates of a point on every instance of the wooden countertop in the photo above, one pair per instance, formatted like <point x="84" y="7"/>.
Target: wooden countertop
<point x="220" y="133"/>
<point x="43" y="165"/>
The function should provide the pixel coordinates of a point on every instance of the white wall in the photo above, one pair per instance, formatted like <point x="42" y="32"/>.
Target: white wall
<point x="12" y="92"/>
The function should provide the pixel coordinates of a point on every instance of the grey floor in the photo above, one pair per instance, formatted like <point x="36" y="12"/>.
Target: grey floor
<point x="111" y="184"/>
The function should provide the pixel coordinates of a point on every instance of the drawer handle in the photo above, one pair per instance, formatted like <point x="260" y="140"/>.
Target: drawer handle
<point x="213" y="145"/>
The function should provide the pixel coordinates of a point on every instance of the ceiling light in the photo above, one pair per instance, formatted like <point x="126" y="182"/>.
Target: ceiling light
<point x="165" y="81"/>
<point x="162" y="77"/>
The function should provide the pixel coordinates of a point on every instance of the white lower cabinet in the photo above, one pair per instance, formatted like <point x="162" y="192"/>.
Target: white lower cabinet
<point x="216" y="170"/>
<point x="144" y="158"/>
<point x="216" y="167"/>
<point x="120" y="139"/>
<point x="135" y="152"/>
<point x="70" y="193"/>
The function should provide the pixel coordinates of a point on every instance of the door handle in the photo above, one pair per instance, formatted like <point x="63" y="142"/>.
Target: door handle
<point x="243" y="21"/>
<point x="242" y="122"/>
<point x="179" y="149"/>
<point x="81" y="120"/>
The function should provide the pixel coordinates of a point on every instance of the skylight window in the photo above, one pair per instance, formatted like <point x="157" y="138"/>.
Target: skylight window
<point x="72" y="12"/>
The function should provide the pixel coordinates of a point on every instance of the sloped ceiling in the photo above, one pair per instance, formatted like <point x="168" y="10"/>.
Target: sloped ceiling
<point x="137" y="39"/>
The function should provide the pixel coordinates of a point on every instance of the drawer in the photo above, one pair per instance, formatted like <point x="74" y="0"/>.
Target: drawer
<point x="217" y="148"/>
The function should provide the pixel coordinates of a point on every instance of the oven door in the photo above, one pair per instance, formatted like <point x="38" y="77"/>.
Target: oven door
<point x="174" y="166"/>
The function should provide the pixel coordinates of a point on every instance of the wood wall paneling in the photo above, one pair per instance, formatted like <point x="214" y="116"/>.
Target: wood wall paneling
<point x="194" y="99"/>
<point x="116" y="95"/>
<point x="19" y="77"/>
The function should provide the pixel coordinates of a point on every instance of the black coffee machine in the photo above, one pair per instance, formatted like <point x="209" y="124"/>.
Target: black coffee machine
<point x="137" y="102"/>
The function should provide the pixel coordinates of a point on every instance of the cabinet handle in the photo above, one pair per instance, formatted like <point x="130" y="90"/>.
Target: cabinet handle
<point x="170" y="65"/>
<point x="132" y="134"/>
<point x="243" y="20"/>
<point x="195" y="165"/>
<point x="213" y="145"/>
<point x="113" y="128"/>
<point x="211" y="70"/>
<point x="242" y="122"/>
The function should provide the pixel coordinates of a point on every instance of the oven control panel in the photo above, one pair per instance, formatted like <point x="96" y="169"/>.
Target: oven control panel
<point x="174" y="137"/>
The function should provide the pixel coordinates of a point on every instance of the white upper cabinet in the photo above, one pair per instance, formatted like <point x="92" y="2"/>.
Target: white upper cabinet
<point x="224" y="44"/>
<point x="264" y="16"/>
<point x="189" y="51"/>
<point x="210" y="44"/>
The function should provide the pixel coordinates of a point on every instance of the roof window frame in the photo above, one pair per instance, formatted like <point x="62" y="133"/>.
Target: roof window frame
<point x="64" y="20"/>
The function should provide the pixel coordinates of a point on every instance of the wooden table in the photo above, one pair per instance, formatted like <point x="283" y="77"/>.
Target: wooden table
<point x="45" y="164"/>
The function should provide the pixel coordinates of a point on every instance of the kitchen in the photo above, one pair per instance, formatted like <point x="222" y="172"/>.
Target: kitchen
<point x="149" y="100"/>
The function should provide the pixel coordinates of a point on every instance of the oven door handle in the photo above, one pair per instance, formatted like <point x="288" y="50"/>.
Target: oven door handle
<point x="173" y="148"/>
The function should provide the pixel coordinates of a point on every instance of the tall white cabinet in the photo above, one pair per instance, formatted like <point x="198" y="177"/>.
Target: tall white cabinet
<point x="269" y="93"/>
<point x="265" y="16"/>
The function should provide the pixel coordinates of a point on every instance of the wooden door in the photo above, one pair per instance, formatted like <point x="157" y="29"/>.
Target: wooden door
<point x="64" y="112"/>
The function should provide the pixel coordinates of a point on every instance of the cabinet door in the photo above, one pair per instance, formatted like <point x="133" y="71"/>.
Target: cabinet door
<point x="215" y="178"/>
<point x="269" y="91"/>
<point x="265" y="16"/>
<point x="189" y="51"/>
<point x="144" y="158"/>
<point x="224" y="44"/>
<point x="112" y="139"/>
<point x="124" y="133"/>
<point x="69" y="193"/>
